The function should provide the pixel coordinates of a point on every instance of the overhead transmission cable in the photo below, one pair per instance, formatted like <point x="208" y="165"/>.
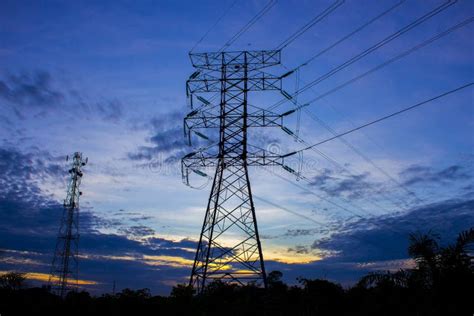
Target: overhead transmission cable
<point x="347" y="36"/>
<point x="467" y="85"/>
<point x="350" y="34"/>
<point x="285" y="209"/>
<point x="363" y="241"/>
<point x="214" y="25"/>
<point x="260" y="14"/>
<point x="397" y="57"/>
<point x="345" y="209"/>
<point x="367" y="51"/>
<point x="242" y="30"/>
<point x="249" y="24"/>
<point x="308" y="218"/>
<point x="379" y="224"/>
<point x="343" y="168"/>
<point x="310" y="24"/>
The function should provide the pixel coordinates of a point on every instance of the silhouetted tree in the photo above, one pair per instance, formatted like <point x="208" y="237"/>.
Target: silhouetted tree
<point x="438" y="284"/>
<point x="12" y="280"/>
<point x="182" y="291"/>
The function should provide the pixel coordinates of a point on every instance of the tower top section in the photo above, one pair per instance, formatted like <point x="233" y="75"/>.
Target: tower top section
<point x="257" y="59"/>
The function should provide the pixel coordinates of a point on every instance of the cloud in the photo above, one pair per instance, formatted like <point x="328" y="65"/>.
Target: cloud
<point x="29" y="222"/>
<point x="300" y="249"/>
<point x="305" y="232"/>
<point x="372" y="244"/>
<point x="163" y="142"/>
<point x="36" y="90"/>
<point x="417" y="174"/>
<point x="140" y="218"/>
<point x="28" y="234"/>
<point x="166" y="137"/>
<point x="137" y="231"/>
<point x="110" y="110"/>
<point x="386" y="237"/>
<point x="22" y="172"/>
<point x="352" y="186"/>
<point x="30" y="89"/>
<point x="357" y="186"/>
<point x="323" y="178"/>
<point x="166" y="141"/>
<point x="136" y="258"/>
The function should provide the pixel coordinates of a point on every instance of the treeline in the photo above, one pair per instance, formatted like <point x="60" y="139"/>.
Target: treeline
<point x="441" y="283"/>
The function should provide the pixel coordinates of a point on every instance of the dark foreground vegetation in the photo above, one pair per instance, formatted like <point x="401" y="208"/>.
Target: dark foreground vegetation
<point x="441" y="283"/>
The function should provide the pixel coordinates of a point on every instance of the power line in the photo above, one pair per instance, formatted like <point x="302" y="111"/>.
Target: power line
<point x="403" y="54"/>
<point x="341" y="167"/>
<point x="301" y="176"/>
<point x="315" y="194"/>
<point x="349" y="35"/>
<point x="361" y="154"/>
<point x="365" y="157"/>
<point x="369" y="50"/>
<point x="377" y="245"/>
<point x="397" y="57"/>
<point x="239" y="33"/>
<point x="389" y="116"/>
<point x="310" y="24"/>
<point x="326" y="49"/>
<point x="214" y="25"/>
<point x="329" y="48"/>
<point x="461" y="24"/>
<point x="289" y="211"/>
<point x="331" y="202"/>
<point x="249" y="24"/>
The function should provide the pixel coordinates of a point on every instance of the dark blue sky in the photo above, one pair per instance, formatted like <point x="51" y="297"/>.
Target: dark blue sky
<point x="108" y="79"/>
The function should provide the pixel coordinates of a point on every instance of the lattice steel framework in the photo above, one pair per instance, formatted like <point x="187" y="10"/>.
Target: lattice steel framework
<point x="229" y="247"/>
<point x="64" y="269"/>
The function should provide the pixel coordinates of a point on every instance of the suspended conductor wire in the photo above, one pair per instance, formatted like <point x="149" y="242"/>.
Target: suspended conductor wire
<point x="397" y="57"/>
<point x="289" y="211"/>
<point x="214" y="25"/>
<point x="310" y="24"/>
<point x="349" y="35"/>
<point x="324" y="225"/>
<point x="249" y="24"/>
<point x="390" y="115"/>
<point x="343" y="168"/>
<point x="370" y="50"/>
<point x="378" y="67"/>
<point x="332" y="202"/>
<point x="300" y="175"/>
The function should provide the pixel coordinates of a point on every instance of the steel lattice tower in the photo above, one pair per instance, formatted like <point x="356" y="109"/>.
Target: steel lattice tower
<point x="65" y="262"/>
<point x="229" y="247"/>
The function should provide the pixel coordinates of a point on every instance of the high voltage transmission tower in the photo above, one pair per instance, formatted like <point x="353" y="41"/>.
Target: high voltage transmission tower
<point x="229" y="247"/>
<point x="64" y="269"/>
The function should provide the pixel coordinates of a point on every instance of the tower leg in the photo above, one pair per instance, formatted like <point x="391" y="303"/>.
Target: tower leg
<point x="229" y="249"/>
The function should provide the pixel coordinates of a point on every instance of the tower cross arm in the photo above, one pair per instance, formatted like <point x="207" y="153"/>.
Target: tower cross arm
<point x="253" y="59"/>
<point x="256" y="81"/>
<point x="196" y="161"/>
<point x="256" y="118"/>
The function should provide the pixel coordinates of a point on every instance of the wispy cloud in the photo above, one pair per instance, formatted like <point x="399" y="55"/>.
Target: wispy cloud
<point x="417" y="174"/>
<point x="386" y="237"/>
<point x="38" y="94"/>
<point x="352" y="186"/>
<point x="30" y="89"/>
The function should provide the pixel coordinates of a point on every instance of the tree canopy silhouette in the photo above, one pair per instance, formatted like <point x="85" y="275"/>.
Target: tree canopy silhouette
<point x="439" y="282"/>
